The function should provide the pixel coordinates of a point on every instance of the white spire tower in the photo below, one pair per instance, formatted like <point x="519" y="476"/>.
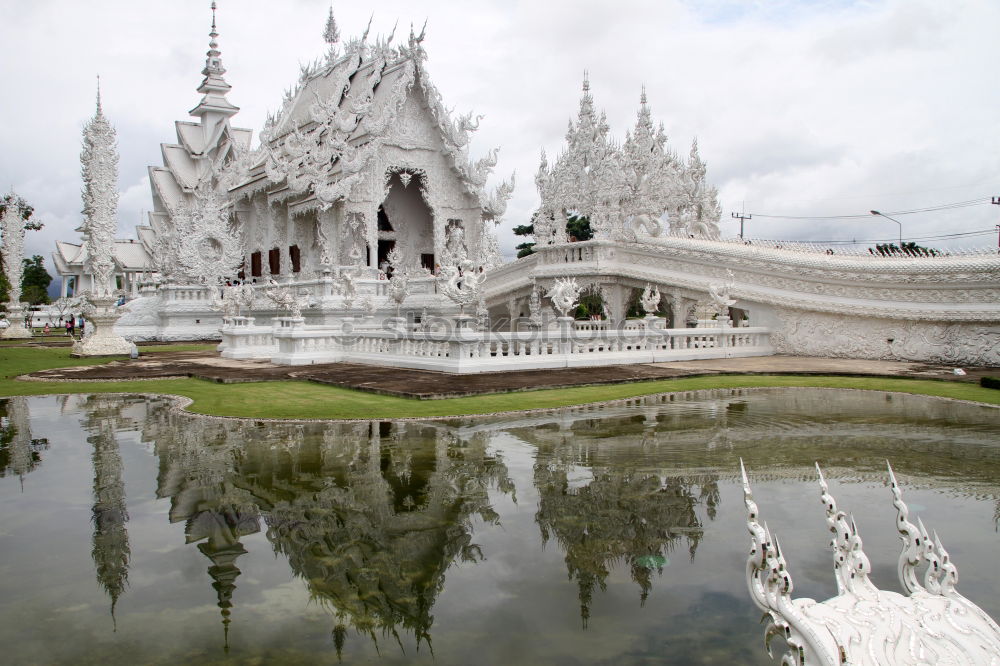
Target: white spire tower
<point x="99" y="169"/>
<point x="214" y="109"/>
<point x="12" y="227"/>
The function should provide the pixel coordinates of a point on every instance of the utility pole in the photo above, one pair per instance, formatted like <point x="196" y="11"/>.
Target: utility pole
<point x="996" y="202"/>
<point x="743" y="216"/>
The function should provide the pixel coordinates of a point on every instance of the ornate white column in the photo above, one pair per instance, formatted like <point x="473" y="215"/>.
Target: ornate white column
<point x="99" y="168"/>
<point x="13" y="255"/>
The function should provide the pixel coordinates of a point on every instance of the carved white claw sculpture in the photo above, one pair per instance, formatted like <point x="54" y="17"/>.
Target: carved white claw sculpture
<point x="932" y="624"/>
<point x="564" y="295"/>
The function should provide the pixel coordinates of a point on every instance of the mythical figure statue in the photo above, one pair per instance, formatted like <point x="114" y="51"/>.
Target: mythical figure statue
<point x="564" y="295"/>
<point x="650" y="299"/>
<point x="347" y="288"/>
<point x="285" y="297"/>
<point x="455" y="251"/>
<point x="535" y="306"/>
<point x="399" y="283"/>
<point x="235" y="299"/>
<point x="461" y="283"/>
<point x="719" y="293"/>
<point x="931" y="624"/>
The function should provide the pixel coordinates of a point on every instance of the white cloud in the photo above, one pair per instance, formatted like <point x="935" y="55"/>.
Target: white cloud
<point x="800" y="108"/>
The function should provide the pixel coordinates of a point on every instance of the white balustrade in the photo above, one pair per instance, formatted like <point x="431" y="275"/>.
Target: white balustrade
<point x="290" y="342"/>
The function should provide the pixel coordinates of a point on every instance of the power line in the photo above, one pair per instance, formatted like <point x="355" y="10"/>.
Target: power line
<point x="964" y="234"/>
<point x="928" y="209"/>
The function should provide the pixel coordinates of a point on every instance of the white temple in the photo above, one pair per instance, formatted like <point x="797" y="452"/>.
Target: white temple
<point x="359" y="230"/>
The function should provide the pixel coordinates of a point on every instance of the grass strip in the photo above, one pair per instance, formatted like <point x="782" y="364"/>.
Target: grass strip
<point x="307" y="400"/>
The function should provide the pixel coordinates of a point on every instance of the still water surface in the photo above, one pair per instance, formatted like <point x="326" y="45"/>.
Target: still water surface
<point x="134" y="533"/>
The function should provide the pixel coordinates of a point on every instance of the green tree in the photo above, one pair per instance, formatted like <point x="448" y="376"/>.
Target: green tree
<point x="577" y="228"/>
<point x="908" y="249"/>
<point x="35" y="281"/>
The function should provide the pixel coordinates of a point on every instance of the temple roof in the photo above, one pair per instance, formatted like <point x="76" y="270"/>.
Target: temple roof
<point x="129" y="255"/>
<point x="341" y="113"/>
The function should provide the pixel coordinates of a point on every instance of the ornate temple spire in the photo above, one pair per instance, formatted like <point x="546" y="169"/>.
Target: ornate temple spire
<point x="214" y="86"/>
<point x="331" y="35"/>
<point x="99" y="169"/>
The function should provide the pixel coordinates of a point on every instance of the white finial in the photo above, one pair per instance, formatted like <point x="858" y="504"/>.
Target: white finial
<point x="212" y="44"/>
<point x="99" y="109"/>
<point x="331" y="35"/>
<point x="586" y="81"/>
<point x="642" y="98"/>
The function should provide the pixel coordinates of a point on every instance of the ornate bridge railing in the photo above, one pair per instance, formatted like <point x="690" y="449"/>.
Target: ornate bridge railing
<point x="290" y="342"/>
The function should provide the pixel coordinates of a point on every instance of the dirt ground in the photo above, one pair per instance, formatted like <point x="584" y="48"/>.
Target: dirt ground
<point x="422" y="384"/>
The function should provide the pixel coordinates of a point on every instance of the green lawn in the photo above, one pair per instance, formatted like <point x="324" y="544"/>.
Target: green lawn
<point x="306" y="400"/>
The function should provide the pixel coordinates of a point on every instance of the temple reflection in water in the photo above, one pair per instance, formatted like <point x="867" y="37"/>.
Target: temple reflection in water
<point x="372" y="516"/>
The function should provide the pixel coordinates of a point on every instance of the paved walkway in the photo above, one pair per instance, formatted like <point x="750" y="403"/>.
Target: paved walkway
<point x="422" y="384"/>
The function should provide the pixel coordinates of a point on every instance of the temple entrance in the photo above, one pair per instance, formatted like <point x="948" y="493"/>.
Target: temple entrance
<point x="384" y="248"/>
<point x="405" y="222"/>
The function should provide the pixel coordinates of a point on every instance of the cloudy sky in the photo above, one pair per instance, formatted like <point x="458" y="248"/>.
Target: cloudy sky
<point x="802" y="109"/>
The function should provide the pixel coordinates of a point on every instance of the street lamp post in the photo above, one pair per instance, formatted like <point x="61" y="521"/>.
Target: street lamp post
<point x="875" y="212"/>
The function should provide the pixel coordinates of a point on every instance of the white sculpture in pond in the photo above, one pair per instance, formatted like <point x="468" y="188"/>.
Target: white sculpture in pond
<point x="932" y="624"/>
<point x="564" y="295"/>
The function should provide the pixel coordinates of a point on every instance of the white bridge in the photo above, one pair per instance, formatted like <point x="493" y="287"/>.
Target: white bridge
<point x="943" y="309"/>
<point x="795" y="300"/>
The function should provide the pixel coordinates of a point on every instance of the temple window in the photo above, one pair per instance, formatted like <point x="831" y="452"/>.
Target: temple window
<point x="255" y="264"/>
<point x="274" y="261"/>
<point x="295" y="255"/>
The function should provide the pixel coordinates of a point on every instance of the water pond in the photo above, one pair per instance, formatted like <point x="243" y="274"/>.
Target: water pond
<point x="135" y="533"/>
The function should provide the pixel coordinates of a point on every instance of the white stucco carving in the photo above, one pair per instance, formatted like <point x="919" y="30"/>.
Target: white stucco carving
<point x="12" y="248"/>
<point x="931" y="623"/>
<point x="564" y="294"/>
<point x="650" y="299"/>
<point x="623" y="189"/>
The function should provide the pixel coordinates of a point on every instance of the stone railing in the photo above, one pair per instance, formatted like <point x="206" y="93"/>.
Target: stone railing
<point x="172" y="293"/>
<point x="290" y="342"/>
<point x="242" y="339"/>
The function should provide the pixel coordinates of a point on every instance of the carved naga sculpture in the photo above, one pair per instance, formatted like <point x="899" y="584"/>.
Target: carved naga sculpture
<point x="564" y="295"/>
<point x="931" y="624"/>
